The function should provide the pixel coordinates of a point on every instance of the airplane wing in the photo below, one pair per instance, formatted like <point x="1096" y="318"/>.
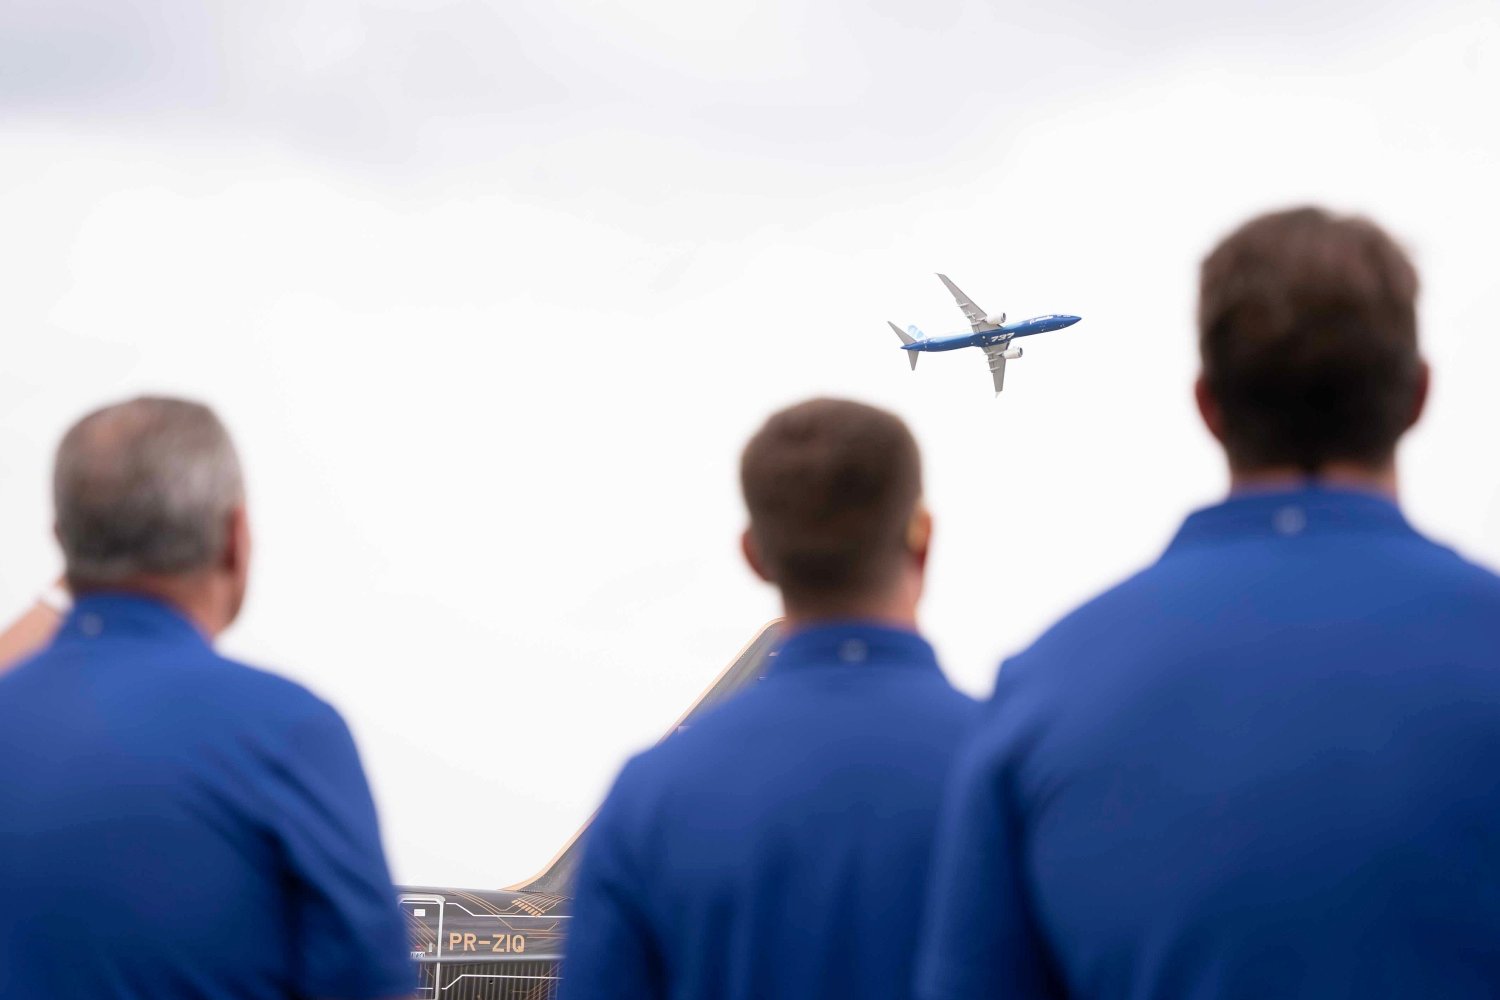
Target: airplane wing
<point x="996" y="356"/>
<point x="972" y="312"/>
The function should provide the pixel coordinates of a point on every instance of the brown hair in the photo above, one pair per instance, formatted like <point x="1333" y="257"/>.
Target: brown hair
<point x="1308" y="333"/>
<point x="831" y="486"/>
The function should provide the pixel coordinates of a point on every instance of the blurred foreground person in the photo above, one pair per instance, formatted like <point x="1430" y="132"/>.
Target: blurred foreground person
<point x="1267" y="765"/>
<point x="174" y="824"/>
<point x="780" y="847"/>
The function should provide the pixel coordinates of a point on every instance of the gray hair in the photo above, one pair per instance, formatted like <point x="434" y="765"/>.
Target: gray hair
<point x="144" y="487"/>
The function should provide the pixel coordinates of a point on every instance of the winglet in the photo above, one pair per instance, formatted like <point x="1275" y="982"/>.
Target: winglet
<point x="906" y="338"/>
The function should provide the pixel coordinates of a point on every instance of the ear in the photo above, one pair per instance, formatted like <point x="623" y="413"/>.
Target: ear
<point x="752" y="556"/>
<point x="236" y="557"/>
<point x="1419" y="399"/>
<point x="919" y="534"/>
<point x="1208" y="409"/>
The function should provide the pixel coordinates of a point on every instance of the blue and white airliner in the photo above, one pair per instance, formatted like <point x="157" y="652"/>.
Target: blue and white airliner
<point x="991" y="334"/>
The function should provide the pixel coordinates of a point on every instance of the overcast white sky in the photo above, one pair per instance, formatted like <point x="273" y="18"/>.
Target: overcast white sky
<point x="491" y="294"/>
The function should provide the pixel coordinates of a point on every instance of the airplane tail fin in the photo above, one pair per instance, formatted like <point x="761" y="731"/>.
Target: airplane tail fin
<point x="745" y="669"/>
<point x="907" y="338"/>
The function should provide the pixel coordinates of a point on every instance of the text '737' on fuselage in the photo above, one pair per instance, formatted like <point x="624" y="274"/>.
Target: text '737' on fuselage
<point x="990" y="333"/>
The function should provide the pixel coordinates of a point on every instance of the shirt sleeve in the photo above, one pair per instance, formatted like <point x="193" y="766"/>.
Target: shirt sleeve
<point x="350" y="936"/>
<point x="979" y="936"/>
<point x="611" y="952"/>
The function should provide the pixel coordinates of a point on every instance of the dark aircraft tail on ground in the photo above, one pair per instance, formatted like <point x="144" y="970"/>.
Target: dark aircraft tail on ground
<point x="507" y="944"/>
<point x="746" y="668"/>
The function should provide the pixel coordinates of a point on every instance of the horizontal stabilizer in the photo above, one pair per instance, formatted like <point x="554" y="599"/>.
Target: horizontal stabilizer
<point x="906" y="338"/>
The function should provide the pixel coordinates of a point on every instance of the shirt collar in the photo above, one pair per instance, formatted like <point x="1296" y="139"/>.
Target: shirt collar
<point x="1289" y="513"/>
<point x="117" y="615"/>
<point x="851" y="643"/>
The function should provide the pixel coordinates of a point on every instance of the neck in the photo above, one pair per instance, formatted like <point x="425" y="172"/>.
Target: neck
<point x="1370" y="479"/>
<point x="194" y="597"/>
<point x="894" y="611"/>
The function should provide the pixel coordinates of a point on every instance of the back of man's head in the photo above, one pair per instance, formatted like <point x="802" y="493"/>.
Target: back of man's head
<point x="833" y="489"/>
<point x="148" y="489"/>
<point x="1308" y="333"/>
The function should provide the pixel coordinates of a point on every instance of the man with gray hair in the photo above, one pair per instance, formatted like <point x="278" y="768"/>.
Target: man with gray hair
<point x="172" y="823"/>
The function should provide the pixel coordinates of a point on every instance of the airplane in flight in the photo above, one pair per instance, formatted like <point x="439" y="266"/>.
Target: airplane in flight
<point x="990" y="333"/>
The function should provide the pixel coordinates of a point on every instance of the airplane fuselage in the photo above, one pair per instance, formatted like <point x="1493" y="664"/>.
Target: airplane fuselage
<point x="989" y="338"/>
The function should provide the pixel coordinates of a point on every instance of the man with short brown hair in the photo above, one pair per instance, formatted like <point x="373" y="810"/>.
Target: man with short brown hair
<point x="1308" y="334"/>
<point x="834" y="493"/>
<point x="1266" y="765"/>
<point x="779" y="848"/>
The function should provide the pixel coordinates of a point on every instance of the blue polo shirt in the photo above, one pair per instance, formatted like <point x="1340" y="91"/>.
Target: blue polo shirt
<point x="1267" y="766"/>
<point x="780" y="847"/>
<point x="174" y="825"/>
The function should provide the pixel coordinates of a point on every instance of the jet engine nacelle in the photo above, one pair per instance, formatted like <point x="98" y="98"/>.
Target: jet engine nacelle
<point x="998" y="320"/>
<point x="1012" y="354"/>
